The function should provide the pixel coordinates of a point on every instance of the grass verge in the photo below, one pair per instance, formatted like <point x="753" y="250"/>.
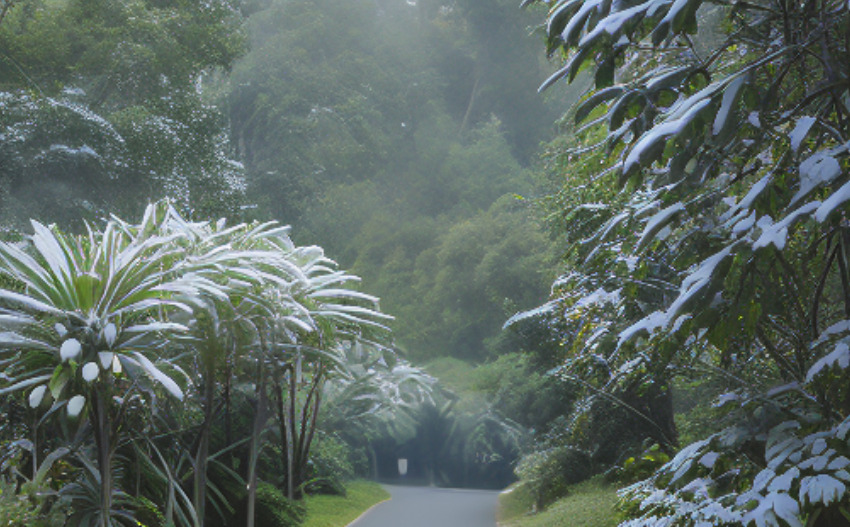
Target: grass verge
<point x="589" y="504"/>
<point x="339" y="511"/>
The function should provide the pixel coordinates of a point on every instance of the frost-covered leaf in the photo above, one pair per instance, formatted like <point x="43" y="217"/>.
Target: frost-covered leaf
<point x="776" y="505"/>
<point x="651" y="144"/>
<point x="659" y="221"/>
<point x="645" y="326"/>
<point x="697" y="280"/>
<point x="749" y="198"/>
<point x="683" y="461"/>
<point x="762" y="479"/>
<point x="709" y="459"/>
<point x="819" y="169"/>
<point x="781" y="443"/>
<point x="817" y="463"/>
<point x="745" y="224"/>
<point x="10" y="339"/>
<point x="840" y="355"/>
<point x="731" y="96"/>
<point x="821" y="488"/>
<point x="838" y="463"/>
<point x="835" y="329"/>
<point x="724" y="398"/>
<point x="599" y="297"/>
<point x="166" y="381"/>
<point x="800" y="131"/>
<point x="835" y="200"/>
<point x="785" y="388"/>
<point x="156" y="326"/>
<point x="776" y="234"/>
<point x="784" y="482"/>
<point x="818" y="446"/>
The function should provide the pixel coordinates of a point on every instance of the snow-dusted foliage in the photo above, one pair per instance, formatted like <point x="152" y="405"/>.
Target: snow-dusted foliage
<point x="60" y="160"/>
<point x="727" y="133"/>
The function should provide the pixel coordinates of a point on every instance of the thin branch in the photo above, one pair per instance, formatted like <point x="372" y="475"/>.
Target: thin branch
<point x="613" y="398"/>
<point x="842" y="267"/>
<point x="819" y="290"/>
<point x="771" y="350"/>
<point x="7" y="5"/>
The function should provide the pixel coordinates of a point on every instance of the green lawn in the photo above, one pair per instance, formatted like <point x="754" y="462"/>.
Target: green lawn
<point x="339" y="511"/>
<point x="589" y="504"/>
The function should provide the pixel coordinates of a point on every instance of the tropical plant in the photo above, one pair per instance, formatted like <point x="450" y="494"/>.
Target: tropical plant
<point x="95" y="323"/>
<point x="374" y="400"/>
<point x="726" y="254"/>
<point x="87" y="312"/>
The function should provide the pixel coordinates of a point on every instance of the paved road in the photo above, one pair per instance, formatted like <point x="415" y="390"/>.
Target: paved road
<point x="433" y="507"/>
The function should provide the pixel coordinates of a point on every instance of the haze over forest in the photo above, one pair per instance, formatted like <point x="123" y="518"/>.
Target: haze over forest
<point x="637" y="277"/>
<point x="396" y="135"/>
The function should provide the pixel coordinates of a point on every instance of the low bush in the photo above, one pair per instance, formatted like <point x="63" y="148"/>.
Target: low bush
<point x="273" y="509"/>
<point x="548" y="473"/>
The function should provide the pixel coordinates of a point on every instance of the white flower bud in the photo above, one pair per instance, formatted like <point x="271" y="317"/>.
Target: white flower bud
<point x="70" y="349"/>
<point x="90" y="371"/>
<point x="37" y="395"/>
<point x="75" y="405"/>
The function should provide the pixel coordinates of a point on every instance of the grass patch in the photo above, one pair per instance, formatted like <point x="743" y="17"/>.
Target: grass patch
<point x="338" y="511"/>
<point x="589" y="504"/>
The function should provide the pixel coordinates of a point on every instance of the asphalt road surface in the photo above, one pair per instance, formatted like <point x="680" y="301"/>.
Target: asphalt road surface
<point x="433" y="507"/>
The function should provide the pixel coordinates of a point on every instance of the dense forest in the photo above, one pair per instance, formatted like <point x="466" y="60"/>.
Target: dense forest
<point x="582" y="239"/>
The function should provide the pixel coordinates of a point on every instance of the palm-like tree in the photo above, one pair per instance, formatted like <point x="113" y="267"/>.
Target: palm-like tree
<point x="83" y="317"/>
<point x="243" y="261"/>
<point x="377" y="396"/>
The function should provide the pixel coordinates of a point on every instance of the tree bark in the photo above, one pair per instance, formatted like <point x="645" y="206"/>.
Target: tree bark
<point x="260" y="418"/>
<point x="202" y="455"/>
<point x="103" y="431"/>
<point x="473" y="96"/>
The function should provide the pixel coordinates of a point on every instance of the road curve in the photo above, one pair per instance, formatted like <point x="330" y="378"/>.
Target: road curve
<point x="432" y="507"/>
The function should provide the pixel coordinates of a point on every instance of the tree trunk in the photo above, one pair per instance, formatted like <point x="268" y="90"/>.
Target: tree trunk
<point x="102" y="428"/>
<point x="660" y="404"/>
<point x="286" y="451"/>
<point x="472" y="98"/>
<point x="306" y="431"/>
<point x="290" y="436"/>
<point x="202" y="455"/>
<point x="260" y="418"/>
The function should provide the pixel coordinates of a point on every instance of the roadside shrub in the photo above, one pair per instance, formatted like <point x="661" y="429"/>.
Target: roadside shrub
<point x="641" y="467"/>
<point x="330" y="465"/>
<point x="273" y="509"/>
<point x="549" y="472"/>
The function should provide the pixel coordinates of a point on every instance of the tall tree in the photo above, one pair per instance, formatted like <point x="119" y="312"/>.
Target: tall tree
<point x="101" y="104"/>
<point x="725" y="252"/>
